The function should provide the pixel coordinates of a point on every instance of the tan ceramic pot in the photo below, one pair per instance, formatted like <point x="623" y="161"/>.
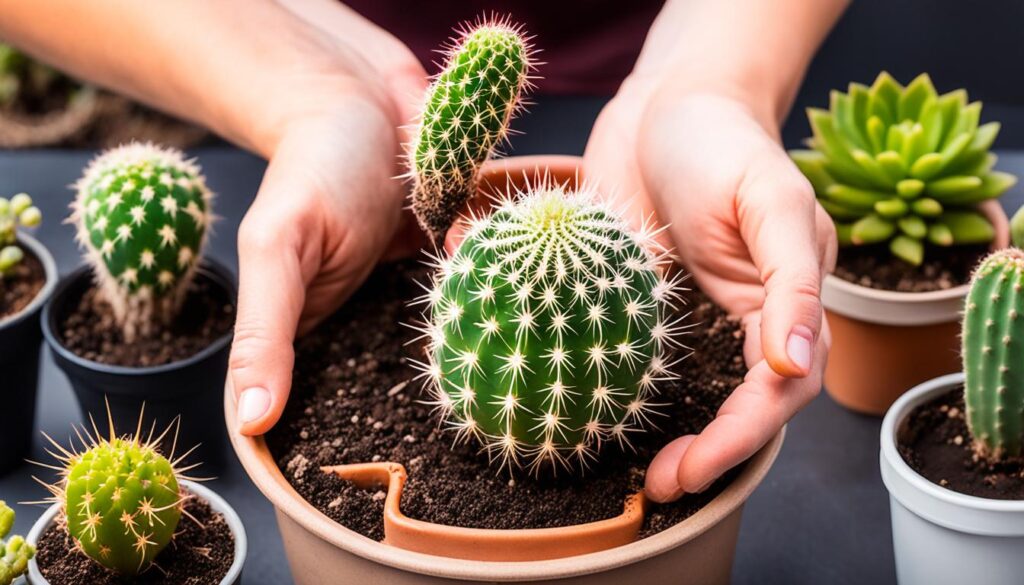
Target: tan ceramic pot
<point x="884" y="342"/>
<point x="697" y="551"/>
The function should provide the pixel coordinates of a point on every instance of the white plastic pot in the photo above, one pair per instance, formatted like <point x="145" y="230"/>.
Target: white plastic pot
<point x="219" y="504"/>
<point x="941" y="536"/>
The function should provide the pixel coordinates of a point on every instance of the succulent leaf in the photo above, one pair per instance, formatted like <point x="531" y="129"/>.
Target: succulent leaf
<point x="15" y="553"/>
<point x="549" y="328"/>
<point x="16" y="212"/>
<point x="879" y="148"/>
<point x="142" y="214"/>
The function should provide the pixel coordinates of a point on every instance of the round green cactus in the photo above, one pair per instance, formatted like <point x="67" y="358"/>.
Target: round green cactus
<point x="903" y="165"/>
<point x="142" y="213"/>
<point x="15" y="553"/>
<point x="14" y="213"/>
<point x="466" y="115"/>
<point x="548" y="328"/>
<point x="993" y="354"/>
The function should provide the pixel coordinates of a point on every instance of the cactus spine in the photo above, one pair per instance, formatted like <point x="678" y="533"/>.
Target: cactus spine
<point x="120" y="498"/>
<point x="466" y="115"/>
<point x="142" y="214"/>
<point x="993" y="354"/>
<point x="14" y="213"/>
<point x="549" y="328"/>
<point x="15" y="553"/>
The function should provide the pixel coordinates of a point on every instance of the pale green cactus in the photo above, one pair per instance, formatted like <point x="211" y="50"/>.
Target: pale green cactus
<point x="993" y="354"/>
<point x="142" y="214"/>
<point x="16" y="212"/>
<point x="121" y="500"/>
<point x="466" y="115"/>
<point x="549" y="329"/>
<point x="904" y="166"/>
<point x="1017" y="228"/>
<point x="15" y="553"/>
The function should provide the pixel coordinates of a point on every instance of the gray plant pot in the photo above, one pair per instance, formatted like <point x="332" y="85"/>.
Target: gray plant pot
<point x="941" y="536"/>
<point x="234" y="522"/>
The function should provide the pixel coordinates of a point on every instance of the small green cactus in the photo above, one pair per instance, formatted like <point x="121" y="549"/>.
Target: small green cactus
<point x="993" y="354"/>
<point x="142" y="214"/>
<point x="466" y="115"/>
<point x="549" y="328"/>
<point x="120" y="498"/>
<point x="15" y="553"/>
<point x="1017" y="228"/>
<point x="903" y="165"/>
<point x="25" y="80"/>
<point x="14" y="213"/>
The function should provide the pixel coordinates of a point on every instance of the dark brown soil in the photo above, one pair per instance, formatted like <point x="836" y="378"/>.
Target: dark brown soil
<point x="876" y="267"/>
<point x="353" y="400"/>
<point x="935" y="442"/>
<point x="200" y="554"/>
<point x="18" y="289"/>
<point x="90" y="331"/>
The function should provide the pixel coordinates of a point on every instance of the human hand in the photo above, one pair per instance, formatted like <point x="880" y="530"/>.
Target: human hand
<point x="745" y="222"/>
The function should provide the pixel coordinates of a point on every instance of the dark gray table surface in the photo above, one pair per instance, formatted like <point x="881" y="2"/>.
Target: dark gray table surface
<point x="821" y="516"/>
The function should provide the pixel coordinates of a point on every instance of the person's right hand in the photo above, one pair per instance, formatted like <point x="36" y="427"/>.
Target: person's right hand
<point x="330" y="206"/>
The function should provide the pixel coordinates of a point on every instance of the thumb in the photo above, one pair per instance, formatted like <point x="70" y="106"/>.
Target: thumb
<point x="777" y="213"/>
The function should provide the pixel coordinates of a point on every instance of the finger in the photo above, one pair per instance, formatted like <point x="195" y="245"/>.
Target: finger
<point x="778" y="221"/>
<point x="660" y="484"/>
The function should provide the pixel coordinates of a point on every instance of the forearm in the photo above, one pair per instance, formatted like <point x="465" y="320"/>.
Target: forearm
<point x="228" y="64"/>
<point x="753" y="50"/>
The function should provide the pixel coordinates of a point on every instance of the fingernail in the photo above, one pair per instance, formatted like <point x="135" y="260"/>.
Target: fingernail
<point x="253" y="404"/>
<point x="798" y="347"/>
<point x="703" y="488"/>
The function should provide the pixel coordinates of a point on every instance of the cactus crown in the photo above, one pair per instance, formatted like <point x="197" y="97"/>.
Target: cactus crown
<point x="142" y="214"/>
<point x="903" y="165"/>
<point x="15" y="553"/>
<point x="120" y="498"/>
<point x="993" y="354"/>
<point x="549" y="328"/>
<point x="466" y="115"/>
<point x="16" y="212"/>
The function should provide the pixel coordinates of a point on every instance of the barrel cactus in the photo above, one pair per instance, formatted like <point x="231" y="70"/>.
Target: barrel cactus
<point x="903" y="165"/>
<point x="15" y="212"/>
<point x="993" y="354"/>
<point x="15" y="553"/>
<point x="548" y="330"/>
<point x="120" y="498"/>
<point x="466" y="115"/>
<point x="142" y="214"/>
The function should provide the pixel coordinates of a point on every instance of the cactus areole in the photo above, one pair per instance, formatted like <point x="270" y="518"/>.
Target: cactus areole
<point x="993" y="354"/>
<point x="549" y="328"/>
<point x="466" y="116"/>
<point x="142" y="214"/>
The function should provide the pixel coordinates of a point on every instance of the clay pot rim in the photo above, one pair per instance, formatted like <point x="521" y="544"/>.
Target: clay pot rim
<point x="262" y="469"/>
<point x="216" y="501"/>
<point x="43" y="296"/>
<point x="888" y="307"/>
<point x="216" y="272"/>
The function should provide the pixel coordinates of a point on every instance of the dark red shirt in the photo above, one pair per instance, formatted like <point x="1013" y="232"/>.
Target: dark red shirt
<point x="587" y="47"/>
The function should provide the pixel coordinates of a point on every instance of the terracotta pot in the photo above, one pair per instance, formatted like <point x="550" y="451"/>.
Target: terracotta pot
<point x="219" y="504"/>
<point x="884" y="342"/>
<point x="320" y="551"/>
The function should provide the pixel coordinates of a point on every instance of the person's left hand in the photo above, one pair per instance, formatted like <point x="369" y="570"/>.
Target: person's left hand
<point x="745" y="222"/>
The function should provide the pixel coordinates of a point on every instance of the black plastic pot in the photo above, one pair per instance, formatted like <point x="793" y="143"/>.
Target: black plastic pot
<point x="20" y="341"/>
<point x="192" y="388"/>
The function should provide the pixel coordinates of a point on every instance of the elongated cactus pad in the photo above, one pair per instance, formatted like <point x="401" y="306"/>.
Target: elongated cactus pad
<point x="14" y="213"/>
<point x="466" y="115"/>
<point x="549" y="328"/>
<point x="15" y="553"/>
<point x="993" y="354"/>
<point x="120" y="498"/>
<point x="904" y="166"/>
<point x="142" y="214"/>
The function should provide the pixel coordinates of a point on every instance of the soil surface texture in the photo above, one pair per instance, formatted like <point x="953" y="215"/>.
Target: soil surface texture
<point x="200" y="554"/>
<point x="90" y="330"/>
<point x="876" y="267"/>
<point x="935" y="442"/>
<point x="354" y="400"/>
<point x="18" y="289"/>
